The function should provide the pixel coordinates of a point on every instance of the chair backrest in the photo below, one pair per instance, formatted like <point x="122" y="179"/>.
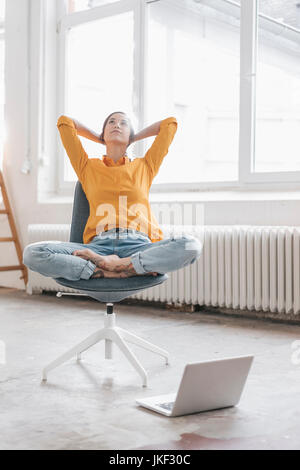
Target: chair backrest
<point x="80" y="214"/>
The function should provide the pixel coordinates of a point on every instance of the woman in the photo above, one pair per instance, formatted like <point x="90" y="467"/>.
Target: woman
<point x="122" y="237"/>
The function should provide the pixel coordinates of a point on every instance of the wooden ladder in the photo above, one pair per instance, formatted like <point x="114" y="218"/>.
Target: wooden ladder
<point x="14" y="237"/>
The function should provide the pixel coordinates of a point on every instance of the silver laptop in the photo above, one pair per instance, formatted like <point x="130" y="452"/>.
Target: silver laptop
<point x="204" y="386"/>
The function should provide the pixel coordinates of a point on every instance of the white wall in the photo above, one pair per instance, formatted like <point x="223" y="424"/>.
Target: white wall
<point x="23" y="109"/>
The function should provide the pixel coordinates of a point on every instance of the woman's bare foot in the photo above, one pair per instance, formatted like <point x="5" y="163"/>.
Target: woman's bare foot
<point x="113" y="274"/>
<point x="110" y="263"/>
<point x="100" y="261"/>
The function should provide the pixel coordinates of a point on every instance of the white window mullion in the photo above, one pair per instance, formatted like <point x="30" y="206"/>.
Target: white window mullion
<point x="61" y="9"/>
<point x="140" y="67"/>
<point x="248" y="44"/>
<point x="61" y="80"/>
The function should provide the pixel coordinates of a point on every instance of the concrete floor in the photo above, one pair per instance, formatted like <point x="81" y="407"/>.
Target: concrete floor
<point x="91" y="405"/>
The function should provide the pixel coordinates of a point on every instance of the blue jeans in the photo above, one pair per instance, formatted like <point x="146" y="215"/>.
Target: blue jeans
<point x="52" y="258"/>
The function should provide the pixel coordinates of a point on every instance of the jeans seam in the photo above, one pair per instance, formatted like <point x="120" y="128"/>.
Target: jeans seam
<point x="90" y="269"/>
<point x="136" y="261"/>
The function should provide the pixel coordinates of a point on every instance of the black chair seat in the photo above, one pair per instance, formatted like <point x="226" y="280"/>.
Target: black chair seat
<point x="114" y="285"/>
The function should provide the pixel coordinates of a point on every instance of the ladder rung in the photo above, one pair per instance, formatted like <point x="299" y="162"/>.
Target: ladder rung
<point x="7" y="239"/>
<point x="4" y="212"/>
<point x="11" y="268"/>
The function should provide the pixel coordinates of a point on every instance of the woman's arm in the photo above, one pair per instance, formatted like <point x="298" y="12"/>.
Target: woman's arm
<point x="73" y="146"/>
<point x="159" y="148"/>
<point x="147" y="132"/>
<point x="86" y="132"/>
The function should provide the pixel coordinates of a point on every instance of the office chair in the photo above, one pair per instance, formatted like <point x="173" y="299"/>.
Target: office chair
<point x="108" y="290"/>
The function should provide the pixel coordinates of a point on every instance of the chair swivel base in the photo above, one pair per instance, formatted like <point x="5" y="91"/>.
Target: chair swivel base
<point x="111" y="334"/>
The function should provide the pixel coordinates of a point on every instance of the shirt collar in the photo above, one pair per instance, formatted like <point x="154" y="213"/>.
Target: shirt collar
<point x="109" y="161"/>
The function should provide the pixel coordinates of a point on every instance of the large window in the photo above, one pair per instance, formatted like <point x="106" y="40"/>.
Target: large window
<point x="99" y="77"/>
<point x="228" y="70"/>
<point x="2" y="94"/>
<point x="193" y="73"/>
<point x="278" y="87"/>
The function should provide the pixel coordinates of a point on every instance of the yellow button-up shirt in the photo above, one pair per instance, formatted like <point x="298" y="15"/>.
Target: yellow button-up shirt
<point x="118" y="193"/>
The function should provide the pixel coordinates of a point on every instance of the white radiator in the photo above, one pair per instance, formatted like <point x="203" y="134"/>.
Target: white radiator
<point x="241" y="267"/>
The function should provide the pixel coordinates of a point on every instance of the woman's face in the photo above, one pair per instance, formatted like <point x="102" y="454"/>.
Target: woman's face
<point x="117" y="129"/>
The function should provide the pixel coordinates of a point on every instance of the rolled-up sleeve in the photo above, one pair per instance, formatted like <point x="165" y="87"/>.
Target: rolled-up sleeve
<point x="159" y="148"/>
<point x="71" y="142"/>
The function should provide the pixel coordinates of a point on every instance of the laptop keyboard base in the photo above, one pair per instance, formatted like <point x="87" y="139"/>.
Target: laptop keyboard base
<point x="168" y="406"/>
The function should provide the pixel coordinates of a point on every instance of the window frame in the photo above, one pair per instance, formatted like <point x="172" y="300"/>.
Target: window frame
<point x="249" y="17"/>
<point x="66" y="21"/>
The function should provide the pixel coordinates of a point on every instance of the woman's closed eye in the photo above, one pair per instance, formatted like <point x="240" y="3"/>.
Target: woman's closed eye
<point x="123" y="122"/>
